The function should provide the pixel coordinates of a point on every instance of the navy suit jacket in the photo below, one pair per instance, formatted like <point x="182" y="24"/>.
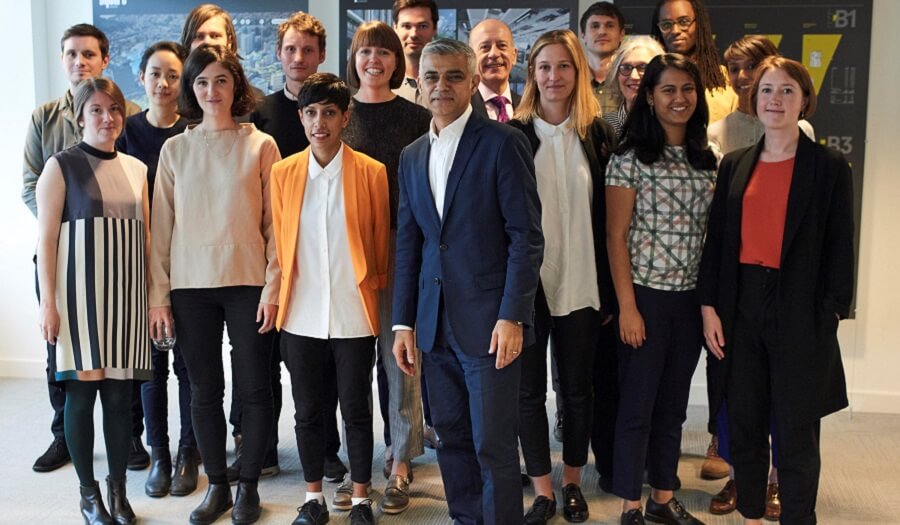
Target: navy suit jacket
<point x="483" y="259"/>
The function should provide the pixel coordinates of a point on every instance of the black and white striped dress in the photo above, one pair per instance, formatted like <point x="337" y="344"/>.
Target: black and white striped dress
<point x="101" y="281"/>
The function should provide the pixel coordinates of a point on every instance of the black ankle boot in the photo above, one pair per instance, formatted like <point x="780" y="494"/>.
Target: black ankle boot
<point x="92" y="507"/>
<point x="216" y="502"/>
<point x="246" y="504"/>
<point x="184" y="481"/>
<point x="119" y="507"/>
<point x="160" y="477"/>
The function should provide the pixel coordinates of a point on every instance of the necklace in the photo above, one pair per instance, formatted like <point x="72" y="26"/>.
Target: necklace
<point x="216" y="140"/>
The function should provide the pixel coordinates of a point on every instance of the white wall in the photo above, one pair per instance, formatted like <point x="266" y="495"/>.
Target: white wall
<point x="869" y="343"/>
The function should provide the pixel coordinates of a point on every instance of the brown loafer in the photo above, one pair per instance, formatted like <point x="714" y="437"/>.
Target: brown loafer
<point x="725" y="501"/>
<point x="773" y="503"/>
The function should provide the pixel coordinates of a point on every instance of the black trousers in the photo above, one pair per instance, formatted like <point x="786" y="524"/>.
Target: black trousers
<point x="752" y="406"/>
<point x="606" y="399"/>
<point x="200" y="314"/>
<point x="574" y="340"/>
<point x="306" y="359"/>
<point x="654" y="384"/>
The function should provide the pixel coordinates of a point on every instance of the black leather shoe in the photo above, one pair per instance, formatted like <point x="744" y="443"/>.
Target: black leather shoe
<point x="57" y="455"/>
<point x="246" y="508"/>
<point x="184" y="481"/>
<point x="361" y="513"/>
<point x="119" y="508"/>
<point x="671" y="513"/>
<point x="396" y="495"/>
<point x="138" y="458"/>
<point x="335" y="470"/>
<point x="575" y="508"/>
<point x="542" y="510"/>
<point x="160" y="478"/>
<point x="632" y="517"/>
<point x="432" y="440"/>
<point x="312" y="513"/>
<point x="92" y="507"/>
<point x="234" y="470"/>
<point x="216" y="503"/>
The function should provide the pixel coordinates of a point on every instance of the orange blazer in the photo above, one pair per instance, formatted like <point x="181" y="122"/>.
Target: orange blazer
<point x="367" y="211"/>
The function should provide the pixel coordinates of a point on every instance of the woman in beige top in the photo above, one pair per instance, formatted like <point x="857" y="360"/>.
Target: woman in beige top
<point x="213" y="263"/>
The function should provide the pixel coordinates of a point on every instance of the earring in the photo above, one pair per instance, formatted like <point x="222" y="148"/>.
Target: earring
<point x="802" y="115"/>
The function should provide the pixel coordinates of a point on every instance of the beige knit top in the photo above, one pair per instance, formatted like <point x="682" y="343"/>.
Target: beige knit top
<point x="211" y="223"/>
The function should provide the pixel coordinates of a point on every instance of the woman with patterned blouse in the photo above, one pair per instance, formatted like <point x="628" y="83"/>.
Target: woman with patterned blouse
<point x="659" y="187"/>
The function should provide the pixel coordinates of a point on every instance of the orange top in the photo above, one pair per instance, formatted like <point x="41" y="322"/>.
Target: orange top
<point x="368" y="223"/>
<point x="764" y="212"/>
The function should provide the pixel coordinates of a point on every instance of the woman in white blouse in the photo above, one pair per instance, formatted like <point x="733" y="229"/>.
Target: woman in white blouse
<point x="558" y="114"/>
<point x="213" y="264"/>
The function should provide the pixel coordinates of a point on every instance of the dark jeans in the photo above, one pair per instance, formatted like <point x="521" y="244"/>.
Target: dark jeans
<point x="200" y="314"/>
<point x="654" y="384"/>
<point x="155" y="397"/>
<point x="332" y="436"/>
<point x="115" y="397"/>
<point x="606" y="399"/>
<point x="574" y="340"/>
<point x="754" y="340"/>
<point x="306" y="359"/>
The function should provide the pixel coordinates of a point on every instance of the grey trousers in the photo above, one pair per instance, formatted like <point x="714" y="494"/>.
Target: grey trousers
<point x="405" y="392"/>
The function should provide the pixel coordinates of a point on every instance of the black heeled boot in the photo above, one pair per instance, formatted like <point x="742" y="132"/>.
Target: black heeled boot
<point x="246" y="504"/>
<point x="92" y="507"/>
<point x="184" y="481"/>
<point x="160" y="478"/>
<point x="216" y="503"/>
<point x="119" y="507"/>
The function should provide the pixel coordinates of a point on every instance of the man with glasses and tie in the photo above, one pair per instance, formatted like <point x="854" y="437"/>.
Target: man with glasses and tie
<point x="682" y="26"/>
<point x="495" y="55"/>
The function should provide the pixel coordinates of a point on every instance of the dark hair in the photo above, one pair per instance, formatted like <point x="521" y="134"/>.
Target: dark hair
<point x="793" y="69"/>
<point x="173" y="47"/>
<point x="244" y="96"/>
<point x="198" y="16"/>
<point x="324" y="88"/>
<point x="602" y="9"/>
<point x="400" y="5"/>
<point x="85" y="89"/>
<point x="302" y="23"/>
<point x="86" y="30"/>
<point x="377" y="34"/>
<point x="752" y="47"/>
<point x="644" y="134"/>
<point x="705" y="53"/>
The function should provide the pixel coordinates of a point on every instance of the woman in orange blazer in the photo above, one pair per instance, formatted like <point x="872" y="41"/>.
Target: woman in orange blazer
<point x="332" y="220"/>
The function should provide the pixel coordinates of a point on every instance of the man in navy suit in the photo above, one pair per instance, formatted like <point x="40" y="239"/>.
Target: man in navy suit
<point x="469" y="250"/>
<point x="495" y="54"/>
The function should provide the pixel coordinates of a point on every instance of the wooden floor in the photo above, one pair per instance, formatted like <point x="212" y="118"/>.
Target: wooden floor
<point x="860" y="473"/>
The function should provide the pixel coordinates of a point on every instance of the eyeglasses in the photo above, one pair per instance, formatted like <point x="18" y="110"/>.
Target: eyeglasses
<point x="683" y="22"/>
<point x="626" y="69"/>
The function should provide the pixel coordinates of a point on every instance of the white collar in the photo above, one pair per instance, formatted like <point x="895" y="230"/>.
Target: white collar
<point x="288" y="94"/>
<point x="488" y="93"/>
<point x="333" y="168"/>
<point x="551" y="130"/>
<point x="454" y="129"/>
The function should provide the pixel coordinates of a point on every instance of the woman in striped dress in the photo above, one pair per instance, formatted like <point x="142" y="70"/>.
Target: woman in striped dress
<point x="92" y="209"/>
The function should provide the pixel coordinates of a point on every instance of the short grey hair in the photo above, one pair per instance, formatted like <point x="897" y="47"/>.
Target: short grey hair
<point x="630" y="44"/>
<point x="447" y="46"/>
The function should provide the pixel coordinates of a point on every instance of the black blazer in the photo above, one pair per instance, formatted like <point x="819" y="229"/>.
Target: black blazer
<point x="598" y="145"/>
<point x="478" y="103"/>
<point x="815" y="280"/>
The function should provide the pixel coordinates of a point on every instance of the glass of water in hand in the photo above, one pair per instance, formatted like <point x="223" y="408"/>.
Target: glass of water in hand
<point x="167" y="341"/>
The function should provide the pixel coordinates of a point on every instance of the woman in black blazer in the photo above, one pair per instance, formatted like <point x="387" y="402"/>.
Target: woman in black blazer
<point x="571" y="144"/>
<point x="775" y="279"/>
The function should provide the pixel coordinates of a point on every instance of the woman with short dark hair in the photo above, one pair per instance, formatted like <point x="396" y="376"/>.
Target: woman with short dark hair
<point x="213" y="263"/>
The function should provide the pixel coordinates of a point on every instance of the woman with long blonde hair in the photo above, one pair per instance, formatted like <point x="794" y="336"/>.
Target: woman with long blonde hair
<point x="559" y="115"/>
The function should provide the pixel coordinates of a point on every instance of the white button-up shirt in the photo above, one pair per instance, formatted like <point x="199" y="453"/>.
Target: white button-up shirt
<point x="569" y="269"/>
<point x="325" y="301"/>
<point x="443" y="151"/>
